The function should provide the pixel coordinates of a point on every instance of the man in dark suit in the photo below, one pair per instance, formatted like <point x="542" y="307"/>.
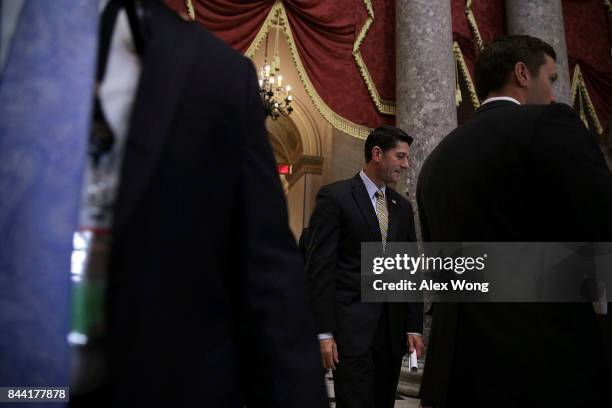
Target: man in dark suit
<point x="522" y="169"/>
<point x="206" y="302"/>
<point x="303" y="243"/>
<point x="363" y="342"/>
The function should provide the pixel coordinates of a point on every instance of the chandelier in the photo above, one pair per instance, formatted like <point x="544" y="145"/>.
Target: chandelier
<point x="276" y="98"/>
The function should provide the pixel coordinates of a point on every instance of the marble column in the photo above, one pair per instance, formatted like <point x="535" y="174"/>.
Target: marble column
<point x="425" y="80"/>
<point x="543" y="19"/>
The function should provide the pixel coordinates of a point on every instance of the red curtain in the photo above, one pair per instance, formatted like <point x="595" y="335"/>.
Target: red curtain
<point x="490" y="19"/>
<point x="324" y="33"/>
<point x="588" y="44"/>
<point x="463" y="35"/>
<point x="378" y="47"/>
<point x="487" y="22"/>
<point x="235" y="22"/>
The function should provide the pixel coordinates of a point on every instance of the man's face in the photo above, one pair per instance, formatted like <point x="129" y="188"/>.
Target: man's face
<point x="539" y="87"/>
<point x="393" y="162"/>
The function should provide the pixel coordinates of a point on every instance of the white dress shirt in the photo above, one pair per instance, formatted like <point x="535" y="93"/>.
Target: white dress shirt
<point x="117" y="93"/>
<point x="500" y="98"/>
<point x="372" y="188"/>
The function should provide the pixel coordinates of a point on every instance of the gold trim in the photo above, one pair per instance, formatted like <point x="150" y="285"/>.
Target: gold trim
<point x="261" y="34"/>
<point x="458" y="96"/>
<point x="473" y="25"/>
<point x="190" y="9"/>
<point x="337" y="121"/>
<point x="383" y="106"/>
<point x="463" y="69"/>
<point x="579" y="87"/>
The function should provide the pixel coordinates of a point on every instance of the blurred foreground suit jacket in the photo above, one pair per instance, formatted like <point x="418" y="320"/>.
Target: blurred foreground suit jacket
<point x="206" y="296"/>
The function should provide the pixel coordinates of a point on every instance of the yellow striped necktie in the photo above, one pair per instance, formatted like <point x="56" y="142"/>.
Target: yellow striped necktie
<point x="383" y="214"/>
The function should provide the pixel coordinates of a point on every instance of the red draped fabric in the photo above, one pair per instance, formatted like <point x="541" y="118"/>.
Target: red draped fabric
<point x="490" y="19"/>
<point x="462" y="34"/>
<point x="486" y="21"/>
<point x="235" y="22"/>
<point x="587" y="25"/>
<point x="378" y="48"/>
<point x="324" y="34"/>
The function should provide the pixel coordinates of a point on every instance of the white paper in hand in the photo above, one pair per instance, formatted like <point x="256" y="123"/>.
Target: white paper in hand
<point x="414" y="365"/>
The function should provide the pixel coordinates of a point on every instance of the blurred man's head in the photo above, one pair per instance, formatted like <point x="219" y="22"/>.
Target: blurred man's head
<point x="386" y="154"/>
<point x="518" y="66"/>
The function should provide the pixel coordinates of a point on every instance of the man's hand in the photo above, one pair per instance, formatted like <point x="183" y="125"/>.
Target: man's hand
<point x="329" y="353"/>
<point x="415" y="342"/>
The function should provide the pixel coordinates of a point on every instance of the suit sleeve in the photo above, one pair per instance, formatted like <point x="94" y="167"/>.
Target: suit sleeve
<point x="567" y="154"/>
<point x="324" y="232"/>
<point x="279" y="343"/>
<point x="415" y="309"/>
<point x="425" y="234"/>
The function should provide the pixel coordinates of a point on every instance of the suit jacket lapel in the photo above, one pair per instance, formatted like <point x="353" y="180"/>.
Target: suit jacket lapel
<point x="165" y="66"/>
<point x="392" y="207"/>
<point x="360" y="194"/>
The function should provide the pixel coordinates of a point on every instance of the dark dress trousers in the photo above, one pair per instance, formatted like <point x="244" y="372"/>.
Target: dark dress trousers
<point x="516" y="174"/>
<point x="343" y="218"/>
<point x="206" y="299"/>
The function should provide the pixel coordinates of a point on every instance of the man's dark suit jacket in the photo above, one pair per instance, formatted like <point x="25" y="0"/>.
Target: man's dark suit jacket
<point x="303" y="243"/>
<point x="206" y="301"/>
<point x="525" y="174"/>
<point x="343" y="218"/>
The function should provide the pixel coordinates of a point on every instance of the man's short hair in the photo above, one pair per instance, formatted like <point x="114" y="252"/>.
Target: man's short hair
<point x="498" y="59"/>
<point x="385" y="137"/>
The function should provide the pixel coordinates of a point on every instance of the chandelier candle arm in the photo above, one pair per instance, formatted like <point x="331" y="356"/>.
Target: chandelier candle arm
<point x="276" y="99"/>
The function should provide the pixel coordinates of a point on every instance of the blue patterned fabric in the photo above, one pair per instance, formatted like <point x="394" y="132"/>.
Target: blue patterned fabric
<point x="46" y="91"/>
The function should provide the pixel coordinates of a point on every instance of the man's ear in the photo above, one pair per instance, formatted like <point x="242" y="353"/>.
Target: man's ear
<point x="522" y="74"/>
<point x="376" y="153"/>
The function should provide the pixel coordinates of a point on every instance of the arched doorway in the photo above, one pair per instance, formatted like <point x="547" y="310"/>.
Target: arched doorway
<point x="299" y="171"/>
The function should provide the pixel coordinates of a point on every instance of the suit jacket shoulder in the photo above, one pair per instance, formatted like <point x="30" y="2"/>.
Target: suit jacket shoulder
<point x="167" y="22"/>
<point x="339" y="187"/>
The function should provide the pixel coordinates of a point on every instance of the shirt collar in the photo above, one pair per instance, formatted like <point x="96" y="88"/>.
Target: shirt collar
<point x="370" y="186"/>
<point x="500" y="98"/>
